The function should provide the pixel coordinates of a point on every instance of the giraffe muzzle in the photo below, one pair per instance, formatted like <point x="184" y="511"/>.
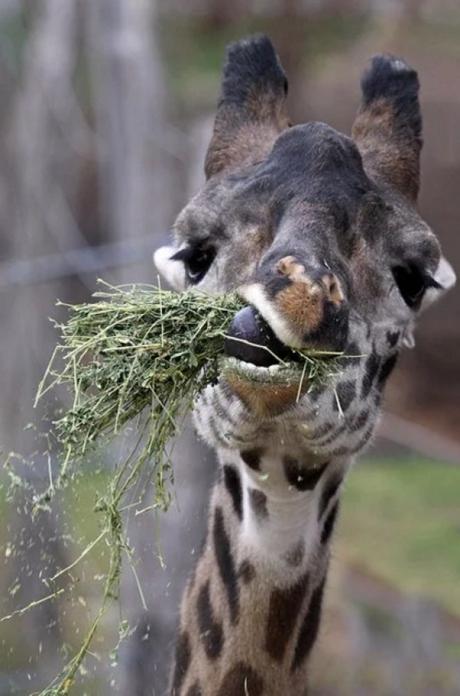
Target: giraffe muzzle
<point x="290" y="309"/>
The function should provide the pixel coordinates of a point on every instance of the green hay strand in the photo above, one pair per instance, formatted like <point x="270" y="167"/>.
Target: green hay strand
<point x="141" y="348"/>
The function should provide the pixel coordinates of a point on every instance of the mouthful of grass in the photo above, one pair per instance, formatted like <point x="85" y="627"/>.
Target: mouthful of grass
<point x="143" y="350"/>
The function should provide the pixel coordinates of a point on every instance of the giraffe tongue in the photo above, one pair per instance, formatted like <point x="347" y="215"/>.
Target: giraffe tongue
<point x="249" y="338"/>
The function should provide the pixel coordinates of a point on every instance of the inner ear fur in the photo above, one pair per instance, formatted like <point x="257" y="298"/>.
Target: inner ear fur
<point x="251" y="110"/>
<point x="388" y="126"/>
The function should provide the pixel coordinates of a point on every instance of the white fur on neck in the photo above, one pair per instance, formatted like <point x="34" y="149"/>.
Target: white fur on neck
<point x="292" y="517"/>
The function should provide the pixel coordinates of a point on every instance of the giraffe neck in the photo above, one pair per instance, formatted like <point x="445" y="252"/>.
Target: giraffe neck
<point x="251" y="612"/>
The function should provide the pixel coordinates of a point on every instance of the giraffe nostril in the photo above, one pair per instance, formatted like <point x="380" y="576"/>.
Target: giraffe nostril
<point x="333" y="289"/>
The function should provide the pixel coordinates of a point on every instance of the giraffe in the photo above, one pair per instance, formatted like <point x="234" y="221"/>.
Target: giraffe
<point x="319" y="233"/>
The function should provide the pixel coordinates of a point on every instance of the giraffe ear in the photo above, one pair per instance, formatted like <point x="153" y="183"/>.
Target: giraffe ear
<point x="251" y="110"/>
<point x="387" y="128"/>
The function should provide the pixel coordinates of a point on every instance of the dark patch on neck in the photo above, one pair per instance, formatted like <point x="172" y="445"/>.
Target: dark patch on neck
<point x="246" y="571"/>
<point x="258" y="501"/>
<point x="330" y="489"/>
<point x="301" y="477"/>
<point x="371" y="367"/>
<point x="345" y="393"/>
<point x="252" y="458"/>
<point x="333" y="437"/>
<point x="182" y="661"/>
<point x="283" y="612"/>
<point x="309" y="627"/>
<point x="233" y="485"/>
<point x="222" y="410"/>
<point x="353" y="350"/>
<point x="240" y="680"/>
<point x="329" y="523"/>
<point x="387" y="368"/>
<point x="322" y="430"/>
<point x="392" y="338"/>
<point x="360" y="420"/>
<point x="365" y="439"/>
<point x="296" y="554"/>
<point x="211" y="632"/>
<point x="315" y="393"/>
<point x="342" y="451"/>
<point x="226" y="563"/>
<point x="216" y="433"/>
<point x="195" y="690"/>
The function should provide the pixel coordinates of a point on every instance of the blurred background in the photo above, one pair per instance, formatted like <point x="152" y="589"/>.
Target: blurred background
<point x="105" y="113"/>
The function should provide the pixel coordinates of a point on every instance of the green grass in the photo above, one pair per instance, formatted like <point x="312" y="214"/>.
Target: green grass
<point x="80" y="525"/>
<point x="401" y="520"/>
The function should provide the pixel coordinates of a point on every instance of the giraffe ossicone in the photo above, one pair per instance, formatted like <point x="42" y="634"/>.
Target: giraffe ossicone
<point x="320" y="234"/>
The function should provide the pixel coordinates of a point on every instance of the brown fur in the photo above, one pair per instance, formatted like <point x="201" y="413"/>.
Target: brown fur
<point x="290" y="267"/>
<point x="302" y="302"/>
<point x="246" y="571"/>
<point x="270" y="625"/>
<point x="241" y="679"/>
<point x="389" y="156"/>
<point x="282" y="616"/>
<point x="295" y="556"/>
<point x="302" y="305"/>
<point x="245" y="134"/>
<point x="264" y="399"/>
<point x="239" y="146"/>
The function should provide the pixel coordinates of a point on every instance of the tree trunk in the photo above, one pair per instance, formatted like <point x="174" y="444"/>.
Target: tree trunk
<point x="130" y="96"/>
<point x="38" y="175"/>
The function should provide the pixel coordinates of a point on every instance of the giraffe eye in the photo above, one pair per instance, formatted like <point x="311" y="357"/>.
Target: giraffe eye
<point x="197" y="261"/>
<point x="412" y="283"/>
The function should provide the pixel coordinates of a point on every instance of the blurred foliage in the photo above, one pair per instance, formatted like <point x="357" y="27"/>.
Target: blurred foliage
<point x="401" y="520"/>
<point x="194" y="54"/>
<point x="80" y="525"/>
<point x="14" y="33"/>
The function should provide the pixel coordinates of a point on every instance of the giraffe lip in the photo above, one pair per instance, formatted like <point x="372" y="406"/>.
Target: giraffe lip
<point x="280" y="373"/>
<point x="251" y="340"/>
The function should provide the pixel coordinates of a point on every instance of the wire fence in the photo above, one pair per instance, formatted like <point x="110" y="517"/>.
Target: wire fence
<point x="81" y="261"/>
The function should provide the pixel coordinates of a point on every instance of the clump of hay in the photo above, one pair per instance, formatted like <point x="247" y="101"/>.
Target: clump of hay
<point x="144" y="349"/>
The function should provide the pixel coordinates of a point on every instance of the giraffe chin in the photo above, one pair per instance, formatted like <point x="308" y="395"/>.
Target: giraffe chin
<point x="265" y="391"/>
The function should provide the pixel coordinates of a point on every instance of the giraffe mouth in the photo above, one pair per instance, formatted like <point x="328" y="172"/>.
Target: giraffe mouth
<point x="251" y="340"/>
<point x="255" y="354"/>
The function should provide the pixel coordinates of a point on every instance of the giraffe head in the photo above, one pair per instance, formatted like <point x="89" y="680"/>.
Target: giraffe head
<point x="320" y="234"/>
